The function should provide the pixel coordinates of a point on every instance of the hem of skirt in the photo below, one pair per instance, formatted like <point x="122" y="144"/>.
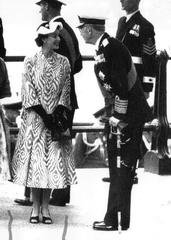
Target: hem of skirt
<point x="45" y="187"/>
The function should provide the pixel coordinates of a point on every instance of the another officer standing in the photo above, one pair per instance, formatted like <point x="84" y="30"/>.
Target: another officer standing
<point x="126" y="108"/>
<point x="137" y="33"/>
<point x="2" y="48"/>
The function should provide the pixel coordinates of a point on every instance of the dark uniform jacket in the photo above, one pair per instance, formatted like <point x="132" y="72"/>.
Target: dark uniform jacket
<point x="138" y="36"/>
<point x="118" y="81"/>
<point x="2" y="48"/>
<point x="5" y="90"/>
<point x="69" y="47"/>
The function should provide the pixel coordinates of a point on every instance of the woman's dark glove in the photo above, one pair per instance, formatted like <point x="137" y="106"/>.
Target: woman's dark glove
<point x="47" y="118"/>
<point x="60" y="117"/>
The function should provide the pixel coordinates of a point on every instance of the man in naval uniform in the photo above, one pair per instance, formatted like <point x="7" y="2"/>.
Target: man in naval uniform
<point x="2" y="48"/>
<point x="126" y="109"/>
<point x="138" y="35"/>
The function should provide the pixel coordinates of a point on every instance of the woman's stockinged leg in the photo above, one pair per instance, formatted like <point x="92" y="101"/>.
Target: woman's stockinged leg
<point x="36" y="201"/>
<point x="45" y="206"/>
<point x="45" y="201"/>
<point x="34" y="217"/>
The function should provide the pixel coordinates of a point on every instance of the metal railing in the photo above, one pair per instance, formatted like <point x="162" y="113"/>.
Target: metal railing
<point x="77" y="127"/>
<point x="21" y="58"/>
<point x="87" y="127"/>
<point x="157" y="159"/>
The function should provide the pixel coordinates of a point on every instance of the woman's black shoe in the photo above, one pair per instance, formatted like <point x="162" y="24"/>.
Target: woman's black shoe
<point x="35" y="219"/>
<point x="46" y="220"/>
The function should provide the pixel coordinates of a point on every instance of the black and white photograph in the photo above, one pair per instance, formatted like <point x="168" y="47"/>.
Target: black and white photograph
<point x="85" y="119"/>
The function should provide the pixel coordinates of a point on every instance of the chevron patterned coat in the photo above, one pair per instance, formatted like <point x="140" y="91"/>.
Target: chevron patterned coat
<point x="38" y="161"/>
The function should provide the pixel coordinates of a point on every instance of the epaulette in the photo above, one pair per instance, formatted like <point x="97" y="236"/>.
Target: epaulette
<point x="105" y="42"/>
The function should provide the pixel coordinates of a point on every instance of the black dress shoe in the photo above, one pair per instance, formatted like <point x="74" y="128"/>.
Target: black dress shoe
<point x="23" y="202"/>
<point x="57" y="203"/>
<point x="124" y="228"/>
<point x="106" y="179"/>
<point x="103" y="226"/>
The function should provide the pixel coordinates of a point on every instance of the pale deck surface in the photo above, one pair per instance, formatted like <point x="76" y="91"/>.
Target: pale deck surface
<point x="151" y="211"/>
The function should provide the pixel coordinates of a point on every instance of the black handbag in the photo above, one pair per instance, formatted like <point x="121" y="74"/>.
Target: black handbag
<point x="60" y="124"/>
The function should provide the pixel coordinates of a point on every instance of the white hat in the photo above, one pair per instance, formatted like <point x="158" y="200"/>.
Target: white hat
<point x="49" y="27"/>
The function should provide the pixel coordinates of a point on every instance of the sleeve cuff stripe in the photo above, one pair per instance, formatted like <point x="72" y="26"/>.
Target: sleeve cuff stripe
<point x="149" y="52"/>
<point x="120" y="110"/>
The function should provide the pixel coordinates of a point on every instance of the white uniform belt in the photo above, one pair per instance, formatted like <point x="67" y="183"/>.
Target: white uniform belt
<point x="147" y="79"/>
<point x="137" y="60"/>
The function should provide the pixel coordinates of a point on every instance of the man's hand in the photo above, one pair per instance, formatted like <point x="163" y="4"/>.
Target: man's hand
<point x="155" y="122"/>
<point x="113" y="121"/>
<point x="122" y="125"/>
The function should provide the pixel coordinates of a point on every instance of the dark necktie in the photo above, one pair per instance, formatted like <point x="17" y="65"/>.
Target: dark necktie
<point x="124" y="21"/>
<point x="121" y="29"/>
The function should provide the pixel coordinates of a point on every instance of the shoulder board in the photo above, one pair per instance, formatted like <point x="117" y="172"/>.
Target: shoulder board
<point x="105" y="42"/>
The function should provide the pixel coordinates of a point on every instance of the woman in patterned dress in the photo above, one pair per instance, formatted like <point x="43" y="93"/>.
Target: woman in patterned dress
<point x="40" y="161"/>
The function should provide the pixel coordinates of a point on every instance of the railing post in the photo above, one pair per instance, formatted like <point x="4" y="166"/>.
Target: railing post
<point x="157" y="159"/>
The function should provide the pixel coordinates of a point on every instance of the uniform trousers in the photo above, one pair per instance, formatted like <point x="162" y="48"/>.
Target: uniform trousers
<point x="121" y="179"/>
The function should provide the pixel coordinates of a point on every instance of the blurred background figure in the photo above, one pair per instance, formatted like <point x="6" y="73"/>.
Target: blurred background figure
<point x="2" y="47"/>
<point x="51" y="11"/>
<point x="5" y="91"/>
